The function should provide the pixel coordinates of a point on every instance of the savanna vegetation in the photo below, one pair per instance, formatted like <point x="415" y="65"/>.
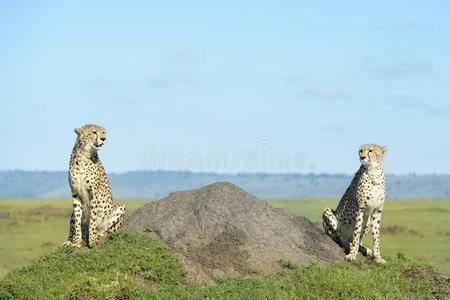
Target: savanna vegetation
<point x="415" y="242"/>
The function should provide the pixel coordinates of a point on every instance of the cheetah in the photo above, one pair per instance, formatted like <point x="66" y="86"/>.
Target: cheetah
<point x="360" y="207"/>
<point x="94" y="213"/>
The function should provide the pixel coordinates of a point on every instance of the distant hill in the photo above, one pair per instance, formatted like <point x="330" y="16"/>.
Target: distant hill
<point x="158" y="184"/>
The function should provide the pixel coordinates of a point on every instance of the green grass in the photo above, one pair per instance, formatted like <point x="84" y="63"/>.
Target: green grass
<point x="30" y="228"/>
<point x="120" y="268"/>
<point x="133" y="266"/>
<point x="418" y="228"/>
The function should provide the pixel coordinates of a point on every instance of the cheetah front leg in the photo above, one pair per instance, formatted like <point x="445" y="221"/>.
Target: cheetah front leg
<point x="365" y="229"/>
<point x="376" y="220"/>
<point x="93" y="237"/>
<point x="354" y="245"/>
<point x="75" y="235"/>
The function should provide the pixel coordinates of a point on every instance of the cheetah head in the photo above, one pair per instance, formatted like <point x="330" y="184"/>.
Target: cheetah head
<point x="91" y="135"/>
<point x="371" y="155"/>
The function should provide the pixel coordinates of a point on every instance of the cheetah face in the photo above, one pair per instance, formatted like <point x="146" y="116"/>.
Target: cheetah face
<point x="371" y="155"/>
<point x="91" y="135"/>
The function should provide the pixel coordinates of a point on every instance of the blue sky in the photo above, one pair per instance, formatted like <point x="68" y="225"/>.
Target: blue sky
<point x="231" y="87"/>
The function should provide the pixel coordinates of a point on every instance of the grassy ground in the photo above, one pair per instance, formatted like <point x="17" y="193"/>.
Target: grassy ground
<point x="30" y="228"/>
<point x="420" y="229"/>
<point x="133" y="266"/>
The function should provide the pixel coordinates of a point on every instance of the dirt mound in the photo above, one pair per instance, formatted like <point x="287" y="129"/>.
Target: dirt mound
<point x="220" y="231"/>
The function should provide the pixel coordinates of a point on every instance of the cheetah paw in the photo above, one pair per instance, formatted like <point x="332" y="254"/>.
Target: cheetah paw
<point x="93" y="243"/>
<point x="350" y="257"/>
<point x="71" y="244"/>
<point x="380" y="260"/>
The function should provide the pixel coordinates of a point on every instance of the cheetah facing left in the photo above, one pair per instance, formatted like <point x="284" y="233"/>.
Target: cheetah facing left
<point x="94" y="214"/>
<point x="361" y="206"/>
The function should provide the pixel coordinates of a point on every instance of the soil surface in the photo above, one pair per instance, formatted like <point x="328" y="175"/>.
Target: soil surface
<point x="221" y="231"/>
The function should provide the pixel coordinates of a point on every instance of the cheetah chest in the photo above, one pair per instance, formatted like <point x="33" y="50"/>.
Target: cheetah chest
<point x="375" y="198"/>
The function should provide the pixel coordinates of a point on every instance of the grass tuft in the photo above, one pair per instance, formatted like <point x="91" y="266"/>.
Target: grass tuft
<point x="119" y="269"/>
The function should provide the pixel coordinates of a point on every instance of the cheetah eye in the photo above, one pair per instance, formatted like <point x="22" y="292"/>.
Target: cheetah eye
<point x="370" y="151"/>
<point x="94" y="132"/>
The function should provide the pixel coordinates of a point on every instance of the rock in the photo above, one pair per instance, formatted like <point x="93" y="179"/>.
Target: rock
<point x="221" y="231"/>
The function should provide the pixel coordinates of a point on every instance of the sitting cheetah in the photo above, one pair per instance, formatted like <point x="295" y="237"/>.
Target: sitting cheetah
<point x="94" y="213"/>
<point x="360" y="207"/>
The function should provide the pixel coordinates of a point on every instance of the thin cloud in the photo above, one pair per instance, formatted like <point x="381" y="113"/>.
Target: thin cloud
<point x="295" y="80"/>
<point x="187" y="59"/>
<point x="99" y="85"/>
<point x="330" y="129"/>
<point x="300" y="84"/>
<point x="410" y="26"/>
<point x="323" y="94"/>
<point x="172" y="80"/>
<point x="159" y="82"/>
<point x="397" y="68"/>
<point x="412" y="103"/>
<point x="121" y="101"/>
<point x="180" y="69"/>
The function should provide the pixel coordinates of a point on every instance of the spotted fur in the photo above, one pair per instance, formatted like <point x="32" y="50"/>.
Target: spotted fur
<point x="361" y="206"/>
<point x="94" y="213"/>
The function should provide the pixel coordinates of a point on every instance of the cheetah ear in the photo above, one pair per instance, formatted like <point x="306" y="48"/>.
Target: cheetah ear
<point x="77" y="131"/>
<point x="384" y="149"/>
